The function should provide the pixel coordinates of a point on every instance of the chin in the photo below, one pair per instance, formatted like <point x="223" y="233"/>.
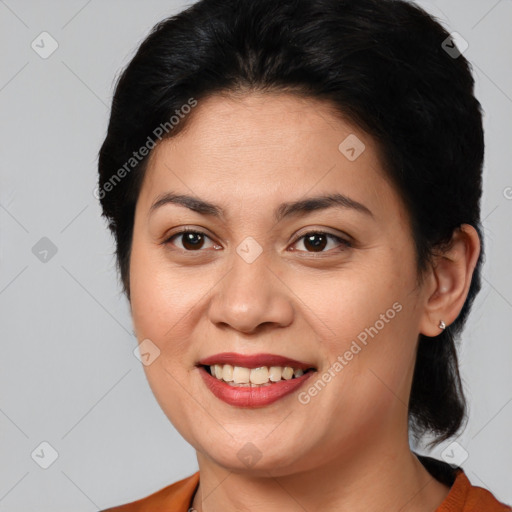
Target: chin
<point x="265" y="458"/>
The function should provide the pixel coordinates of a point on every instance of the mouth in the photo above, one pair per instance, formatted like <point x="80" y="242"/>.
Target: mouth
<point x="253" y="380"/>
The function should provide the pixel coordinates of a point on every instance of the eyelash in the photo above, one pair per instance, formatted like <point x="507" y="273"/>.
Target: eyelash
<point x="345" y="244"/>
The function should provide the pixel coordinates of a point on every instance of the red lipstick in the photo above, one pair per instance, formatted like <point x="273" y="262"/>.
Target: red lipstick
<point x="253" y="360"/>
<point x="252" y="396"/>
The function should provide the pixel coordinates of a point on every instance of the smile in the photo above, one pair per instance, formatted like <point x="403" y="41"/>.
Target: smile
<point x="253" y="380"/>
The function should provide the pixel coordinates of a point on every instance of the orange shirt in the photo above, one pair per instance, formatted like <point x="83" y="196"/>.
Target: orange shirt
<point x="177" y="497"/>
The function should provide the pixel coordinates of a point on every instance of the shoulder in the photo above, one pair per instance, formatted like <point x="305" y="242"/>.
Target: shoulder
<point x="178" y="495"/>
<point x="465" y="497"/>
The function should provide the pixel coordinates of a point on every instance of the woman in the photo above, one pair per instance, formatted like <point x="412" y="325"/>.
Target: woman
<point x="294" y="191"/>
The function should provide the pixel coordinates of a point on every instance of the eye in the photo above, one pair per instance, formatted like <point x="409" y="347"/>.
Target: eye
<point x="191" y="240"/>
<point x="314" y="241"/>
<point x="318" y="240"/>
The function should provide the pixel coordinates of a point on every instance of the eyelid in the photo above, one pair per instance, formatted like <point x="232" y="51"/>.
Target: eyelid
<point x="187" y="229"/>
<point x="323" y="231"/>
<point x="344" y="240"/>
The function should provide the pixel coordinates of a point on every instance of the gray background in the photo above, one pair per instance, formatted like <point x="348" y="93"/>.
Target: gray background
<point x="68" y="373"/>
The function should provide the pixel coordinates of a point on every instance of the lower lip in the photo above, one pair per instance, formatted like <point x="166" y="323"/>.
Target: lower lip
<point x="243" y="396"/>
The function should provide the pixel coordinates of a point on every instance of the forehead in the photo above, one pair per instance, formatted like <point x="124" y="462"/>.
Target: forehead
<point x="267" y="147"/>
<point x="274" y="121"/>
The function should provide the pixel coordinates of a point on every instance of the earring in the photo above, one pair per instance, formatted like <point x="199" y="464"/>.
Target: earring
<point x="442" y="325"/>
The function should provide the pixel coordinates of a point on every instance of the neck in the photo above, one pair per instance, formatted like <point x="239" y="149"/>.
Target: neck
<point x="371" y="480"/>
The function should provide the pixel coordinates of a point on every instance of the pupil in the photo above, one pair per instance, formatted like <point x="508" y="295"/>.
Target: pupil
<point x="193" y="239"/>
<point x="318" y="245"/>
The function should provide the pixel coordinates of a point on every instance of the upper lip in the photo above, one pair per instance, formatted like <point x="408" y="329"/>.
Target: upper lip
<point x="253" y="360"/>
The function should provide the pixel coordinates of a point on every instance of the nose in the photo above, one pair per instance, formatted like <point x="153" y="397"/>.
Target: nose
<point x="251" y="298"/>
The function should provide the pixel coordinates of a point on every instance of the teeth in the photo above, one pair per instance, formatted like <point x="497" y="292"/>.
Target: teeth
<point x="275" y="373"/>
<point x="287" y="373"/>
<point x="227" y="373"/>
<point x="262" y="376"/>
<point x="259" y="375"/>
<point x="241" y="375"/>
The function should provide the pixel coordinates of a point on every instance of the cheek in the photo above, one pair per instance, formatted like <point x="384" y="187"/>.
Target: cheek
<point x="164" y="308"/>
<point x="344" y="303"/>
<point x="163" y="300"/>
<point x="366" y="317"/>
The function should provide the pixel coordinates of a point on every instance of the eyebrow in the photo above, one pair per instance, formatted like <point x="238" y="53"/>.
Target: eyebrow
<point x="284" y="210"/>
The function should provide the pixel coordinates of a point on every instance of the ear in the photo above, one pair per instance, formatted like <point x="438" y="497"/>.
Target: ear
<point x="447" y="284"/>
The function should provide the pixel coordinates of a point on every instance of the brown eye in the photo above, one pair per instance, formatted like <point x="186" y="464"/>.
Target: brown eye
<point x="317" y="241"/>
<point x="190" y="240"/>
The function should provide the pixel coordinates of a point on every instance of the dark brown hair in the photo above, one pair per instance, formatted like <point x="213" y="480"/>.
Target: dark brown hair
<point x="383" y="64"/>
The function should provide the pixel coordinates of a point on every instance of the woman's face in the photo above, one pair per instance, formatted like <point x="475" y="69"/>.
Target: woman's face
<point x="342" y="299"/>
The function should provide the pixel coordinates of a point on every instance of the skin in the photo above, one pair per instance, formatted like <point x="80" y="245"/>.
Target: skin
<point x="347" y="449"/>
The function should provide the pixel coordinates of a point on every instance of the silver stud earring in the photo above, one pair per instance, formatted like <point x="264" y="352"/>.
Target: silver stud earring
<point x="442" y="325"/>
